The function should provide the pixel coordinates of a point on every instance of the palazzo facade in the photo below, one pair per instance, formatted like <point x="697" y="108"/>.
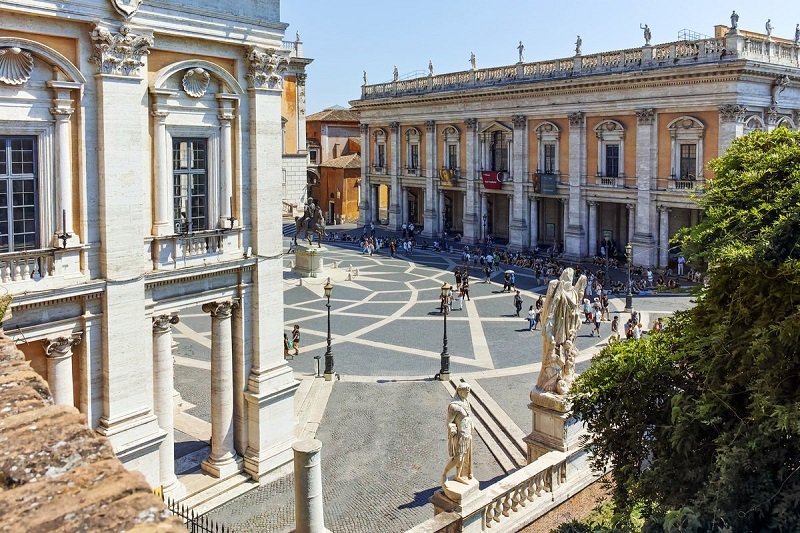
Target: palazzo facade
<point x="141" y="149"/>
<point x="572" y="151"/>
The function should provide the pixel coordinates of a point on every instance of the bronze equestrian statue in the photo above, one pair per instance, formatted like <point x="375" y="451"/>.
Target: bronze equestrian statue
<point x="312" y="222"/>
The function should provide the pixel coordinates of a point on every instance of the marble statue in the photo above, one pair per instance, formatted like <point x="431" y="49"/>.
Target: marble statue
<point x="430" y="67"/>
<point x="472" y="60"/>
<point x="734" y="21"/>
<point x="778" y="86"/>
<point x="647" y="34"/>
<point x="578" y="44"/>
<point x="396" y="74"/>
<point x="521" y="49"/>
<point x="365" y="77"/>
<point x="459" y="436"/>
<point x="561" y="316"/>
<point x="768" y="27"/>
<point x="797" y="34"/>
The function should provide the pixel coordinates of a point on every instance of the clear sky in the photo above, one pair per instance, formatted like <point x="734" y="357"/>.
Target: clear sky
<point x="349" y="36"/>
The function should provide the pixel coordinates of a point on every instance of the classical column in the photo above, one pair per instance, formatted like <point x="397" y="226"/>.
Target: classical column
<point x="308" y="509"/>
<point x="646" y="175"/>
<point x="534" y="223"/>
<point x="62" y="111"/>
<point x="301" y="112"/>
<point x="432" y="220"/>
<point x="394" y="170"/>
<point x="404" y="205"/>
<point x="440" y="196"/>
<point x="364" y="208"/>
<point x="223" y="459"/>
<point x="518" y="230"/>
<point x="59" y="368"/>
<point x="511" y="203"/>
<point x="376" y="199"/>
<point x="564" y="220"/>
<point x="731" y="124"/>
<point x="162" y="400"/>
<point x="631" y="224"/>
<point x="226" y="196"/>
<point x="574" y="232"/>
<point x="162" y="189"/>
<point x="592" y="248"/>
<point x="663" y="236"/>
<point x="484" y="211"/>
<point x="469" y="175"/>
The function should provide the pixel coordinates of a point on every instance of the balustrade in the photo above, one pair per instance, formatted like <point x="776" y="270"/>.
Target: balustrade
<point x="28" y="265"/>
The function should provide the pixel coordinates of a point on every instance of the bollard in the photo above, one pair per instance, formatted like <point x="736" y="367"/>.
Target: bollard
<point x="308" y="516"/>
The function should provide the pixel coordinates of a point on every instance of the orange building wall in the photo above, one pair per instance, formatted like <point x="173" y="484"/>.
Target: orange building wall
<point x="159" y="59"/>
<point x="629" y="143"/>
<point x="710" y="142"/>
<point x="64" y="45"/>
<point x="289" y="111"/>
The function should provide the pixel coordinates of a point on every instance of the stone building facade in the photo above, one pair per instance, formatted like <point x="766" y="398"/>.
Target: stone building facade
<point x="573" y="151"/>
<point x="140" y="174"/>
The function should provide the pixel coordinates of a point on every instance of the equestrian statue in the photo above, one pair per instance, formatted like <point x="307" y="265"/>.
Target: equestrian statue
<point x="310" y="223"/>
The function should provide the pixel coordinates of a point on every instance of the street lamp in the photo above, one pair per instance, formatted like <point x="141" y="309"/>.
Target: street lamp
<point x="628" y="293"/>
<point x="444" y="371"/>
<point x="606" y="280"/>
<point x="328" y="355"/>
<point x="485" y="216"/>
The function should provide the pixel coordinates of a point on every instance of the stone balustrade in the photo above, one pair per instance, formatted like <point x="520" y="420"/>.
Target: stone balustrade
<point x="193" y="249"/>
<point x="28" y="265"/>
<point x="710" y="50"/>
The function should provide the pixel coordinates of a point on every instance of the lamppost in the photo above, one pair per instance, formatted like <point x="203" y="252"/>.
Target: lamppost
<point x="628" y="293"/>
<point x="328" y="355"/>
<point x="444" y="371"/>
<point x="485" y="216"/>
<point x="606" y="279"/>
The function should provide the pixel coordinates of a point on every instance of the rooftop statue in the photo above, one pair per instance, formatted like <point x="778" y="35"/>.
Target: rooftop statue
<point x="578" y="44"/>
<point x="734" y="21"/>
<point x="472" y="60"/>
<point x="647" y="34"/>
<point x="521" y="49"/>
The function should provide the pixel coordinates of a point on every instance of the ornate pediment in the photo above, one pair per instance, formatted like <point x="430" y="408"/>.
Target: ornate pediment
<point x="127" y="8"/>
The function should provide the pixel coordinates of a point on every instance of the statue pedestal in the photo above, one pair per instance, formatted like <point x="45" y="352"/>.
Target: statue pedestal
<point x="553" y="426"/>
<point x="453" y="495"/>
<point x="308" y="261"/>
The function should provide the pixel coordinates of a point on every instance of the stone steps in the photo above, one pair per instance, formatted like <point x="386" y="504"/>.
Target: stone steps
<point x="502" y="436"/>
<point x="220" y="493"/>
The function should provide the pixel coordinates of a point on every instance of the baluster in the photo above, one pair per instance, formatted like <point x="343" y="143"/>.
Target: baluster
<point x="5" y="272"/>
<point x="507" y="504"/>
<point x="547" y="480"/>
<point x="487" y="518"/>
<point x="515" y="499"/>
<point x="17" y="271"/>
<point x="497" y="510"/>
<point x="530" y="489"/>
<point x="35" y="273"/>
<point x="539" y="482"/>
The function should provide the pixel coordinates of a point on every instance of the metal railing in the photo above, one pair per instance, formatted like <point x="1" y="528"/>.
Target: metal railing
<point x="195" y="523"/>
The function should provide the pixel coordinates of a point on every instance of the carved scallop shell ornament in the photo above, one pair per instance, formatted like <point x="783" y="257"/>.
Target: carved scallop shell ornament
<point x="16" y="66"/>
<point x="195" y="82"/>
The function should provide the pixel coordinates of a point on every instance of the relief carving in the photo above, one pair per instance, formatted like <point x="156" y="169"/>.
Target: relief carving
<point x="16" y="66"/>
<point x="119" y="53"/>
<point x="195" y="82"/>
<point x="265" y="69"/>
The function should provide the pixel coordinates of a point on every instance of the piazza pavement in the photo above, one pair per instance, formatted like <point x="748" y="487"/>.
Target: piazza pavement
<point x="381" y="423"/>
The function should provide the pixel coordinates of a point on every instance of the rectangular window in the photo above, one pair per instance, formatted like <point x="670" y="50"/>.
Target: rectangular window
<point x="549" y="150"/>
<point x="688" y="161"/>
<point x="380" y="159"/>
<point x="19" y="206"/>
<point x="612" y="161"/>
<point x="414" y="161"/>
<point x="190" y="179"/>
<point x="452" y="156"/>
<point x="499" y="152"/>
<point x="312" y="155"/>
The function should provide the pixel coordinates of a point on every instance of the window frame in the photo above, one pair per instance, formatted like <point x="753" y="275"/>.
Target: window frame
<point x="212" y="138"/>
<point x="610" y="132"/>
<point x="548" y="135"/>
<point x="413" y="140"/>
<point x="451" y="138"/>
<point x="380" y="138"/>
<point x="685" y="130"/>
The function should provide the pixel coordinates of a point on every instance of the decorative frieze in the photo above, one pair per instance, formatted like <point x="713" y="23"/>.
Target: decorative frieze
<point x="519" y="121"/>
<point x="119" y="53"/>
<point x="195" y="82"/>
<point x="16" y="65"/>
<point x="732" y="113"/>
<point x="646" y="117"/>
<point x="265" y="68"/>
<point x="576" y="118"/>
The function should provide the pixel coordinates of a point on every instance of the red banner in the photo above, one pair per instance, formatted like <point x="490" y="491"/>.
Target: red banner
<point x="491" y="179"/>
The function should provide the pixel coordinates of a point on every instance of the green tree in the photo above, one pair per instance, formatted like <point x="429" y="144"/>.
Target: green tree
<point x="700" y="424"/>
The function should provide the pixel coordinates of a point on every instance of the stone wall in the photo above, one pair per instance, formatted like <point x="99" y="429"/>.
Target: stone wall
<point x="56" y="474"/>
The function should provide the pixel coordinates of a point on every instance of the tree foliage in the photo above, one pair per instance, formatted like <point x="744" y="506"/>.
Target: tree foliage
<point x="700" y="423"/>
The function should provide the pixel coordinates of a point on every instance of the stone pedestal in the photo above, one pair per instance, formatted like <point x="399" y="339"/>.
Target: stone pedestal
<point x="308" y="510"/>
<point x="453" y="496"/>
<point x="309" y="261"/>
<point x="553" y="426"/>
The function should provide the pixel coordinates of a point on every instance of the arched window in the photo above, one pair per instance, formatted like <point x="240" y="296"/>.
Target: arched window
<point x="413" y="137"/>
<point x="452" y="148"/>
<point x="379" y="152"/>
<point x="548" y="135"/>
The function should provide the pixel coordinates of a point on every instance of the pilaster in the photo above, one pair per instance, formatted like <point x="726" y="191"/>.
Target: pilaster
<point x="471" y="225"/>
<point x="432" y="218"/>
<point x="731" y="124"/>
<point x="395" y="213"/>
<point x="574" y="232"/>
<point x="365" y="191"/>
<point x="518" y="228"/>
<point x="646" y="163"/>
<point x="663" y="236"/>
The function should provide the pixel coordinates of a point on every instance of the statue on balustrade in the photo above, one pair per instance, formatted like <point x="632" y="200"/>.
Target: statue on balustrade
<point x="472" y="60"/>
<point x="734" y="21"/>
<point x="561" y="317"/>
<point x="578" y="44"/>
<point x="521" y="48"/>
<point x="768" y="27"/>
<point x="459" y="436"/>
<point x="312" y="222"/>
<point x="647" y="34"/>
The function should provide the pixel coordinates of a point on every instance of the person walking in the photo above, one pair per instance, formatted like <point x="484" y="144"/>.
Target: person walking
<point x="531" y="318"/>
<point x="604" y="303"/>
<point x="506" y="282"/>
<point x="296" y="339"/>
<point x="488" y="272"/>
<point x="615" y="327"/>
<point x="458" y="277"/>
<point x="459" y="298"/>
<point x="287" y="345"/>
<point x="518" y="302"/>
<point x="513" y="281"/>
<point x="465" y="287"/>
<point x="598" y="317"/>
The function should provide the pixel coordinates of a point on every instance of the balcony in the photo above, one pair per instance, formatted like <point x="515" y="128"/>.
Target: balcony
<point x="616" y="182"/>
<point x="41" y="269"/>
<point x="377" y="169"/>
<point x="686" y="183"/>
<point x="414" y="171"/>
<point x="195" y="249"/>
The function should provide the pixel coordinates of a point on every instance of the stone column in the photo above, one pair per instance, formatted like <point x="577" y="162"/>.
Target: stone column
<point x="574" y="232"/>
<point x="731" y="124"/>
<point x="59" y="368"/>
<point x="564" y="218"/>
<point x="364" y="208"/>
<point x="631" y="222"/>
<point x="432" y="220"/>
<point x="592" y="248"/>
<point x="484" y="211"/>
<point x="646" y="165"/>
<point x="471" y="231"/>
<point x="518" y="229"/>
<point x="534" y="223"/>
<point x="226" y="192"/>
<point x="162" y="187"/>
<point x="62" y="111"/>
<point x="223" y="459"/>
<point x="308" y="509"/>
<point x="376" y="204"/>
<point x="511" y="203"/>
<point x="663" y="236"/>
<point x="394" y="170"/>
<point x="440" y="196"/>
<point x="163" y="379"/>
<point x="404" y="205"/>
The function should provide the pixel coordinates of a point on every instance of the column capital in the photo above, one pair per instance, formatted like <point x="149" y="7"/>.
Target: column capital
<point x="60" y="347"/>
<point x="472" y="123"/>
<point x="519" y="121"/>
<point x="394" y="126"/>
<point x="430" y="125"/>
<point x="163" y="323"/>
<point x="593" y="203"/>
<point x="159" y="115"/>
<point x="646" y="117"/>
<point x="265" y="68"/>
<point x="301" y="78"/>
<point x="363" y="128"/>
<point x="576" y="118"/>
<point x="732" y="113"/>
<point x="222" y="309"/>
<point x="225" y="117"/>
<point x="664" y="209"/>
<point x="61" y="113"/>
<point x="630" y="207"/>
<point x="119" y="53"/>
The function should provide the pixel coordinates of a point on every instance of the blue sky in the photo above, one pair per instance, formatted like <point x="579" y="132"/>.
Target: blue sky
<point x="346" y="37"/>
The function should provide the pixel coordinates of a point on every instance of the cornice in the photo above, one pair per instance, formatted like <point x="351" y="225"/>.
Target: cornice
<point x="185" y="275"/>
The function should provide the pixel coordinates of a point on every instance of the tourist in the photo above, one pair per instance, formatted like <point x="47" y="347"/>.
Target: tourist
<point x="506" y="282"/>
<point x="615" y="327"/>
<point x="459" y="297"/>
<point x="587" y="311"/>
<point x="488" y="272"/>
<point x="531" y="318"/>
<point x="518" y="302"/>
<point x="465" y="286"/>
<point x="513" y="282"/>
<point x="287" y="345"/>
<point x="637" y="331"/>
<point x="604" y="303"/>
<point x="458" y="277"/>
<point x="597" y="319"/>
<point x="658" y="325"/>
<point x="681" y="263"/>
<point x="296" y="339"/>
